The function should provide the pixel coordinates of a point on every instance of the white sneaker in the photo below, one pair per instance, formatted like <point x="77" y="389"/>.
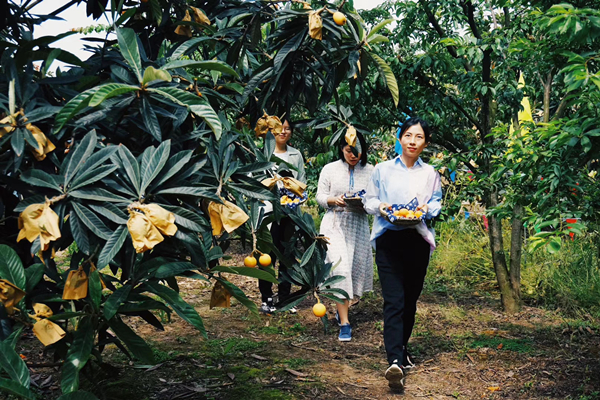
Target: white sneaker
<point x="395" y="376"/>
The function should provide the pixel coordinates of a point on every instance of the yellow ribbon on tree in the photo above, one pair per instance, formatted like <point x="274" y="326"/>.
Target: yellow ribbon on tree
<point x="268" y="123"/>
<point x="145" y="227"/>
<point x="226" y="217"/>
<point x="220" y="296"/>
<point x="45" y="146"/>
<point x="46" y="331"/>
<point x="351" y="136"/>
<point x="76" y="285"/>
<point x="185" y="30"/>
<point x="39" y="220"/>
<point x="292" y="184"/>
<point x="10" y="295"/>
<point x="315" y="25"/>
<point x="199" y="16"/>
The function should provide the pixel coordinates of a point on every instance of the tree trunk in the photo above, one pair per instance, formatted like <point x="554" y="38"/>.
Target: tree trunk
<point x="510" y="300"/>
<point x="516" y="248"/>
<point x="547" y="92"/>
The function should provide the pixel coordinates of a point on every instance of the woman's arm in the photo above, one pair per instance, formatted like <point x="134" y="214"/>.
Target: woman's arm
<point x="434" y="205"/>
<point x="372" y="201"/>
<point x="324" y="197"/>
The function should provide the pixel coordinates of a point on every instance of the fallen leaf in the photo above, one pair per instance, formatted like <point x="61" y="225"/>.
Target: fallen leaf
<point x="231" y="376"/>
<point x="296" y="373"/>
<point x="494" y="388"/>
<point x="258" y="357"/>
<point x="500" y="346"/>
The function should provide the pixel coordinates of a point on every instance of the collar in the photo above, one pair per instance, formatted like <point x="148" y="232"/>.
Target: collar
<point x="398" y="159"/>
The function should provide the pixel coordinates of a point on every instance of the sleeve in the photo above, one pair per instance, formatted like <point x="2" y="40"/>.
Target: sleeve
<point x="323" y="188"/>
<point x="372" y="200"/>
<point x="434" y="205"/>
<point x="301" y="171"/>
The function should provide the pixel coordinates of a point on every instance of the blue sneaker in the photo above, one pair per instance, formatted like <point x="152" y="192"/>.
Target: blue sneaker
<point x="345" y="333"/>
<point x="337" y="318"/>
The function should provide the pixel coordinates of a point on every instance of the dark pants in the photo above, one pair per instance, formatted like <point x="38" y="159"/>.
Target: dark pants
<point x="280" y="232"/>
<point x="402" y="258"/>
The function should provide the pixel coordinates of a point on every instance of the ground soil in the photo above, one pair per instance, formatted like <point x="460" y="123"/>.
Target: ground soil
<point x="465" y="348"/>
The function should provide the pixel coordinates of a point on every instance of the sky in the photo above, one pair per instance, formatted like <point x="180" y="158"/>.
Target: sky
<point x="75" y="17"/>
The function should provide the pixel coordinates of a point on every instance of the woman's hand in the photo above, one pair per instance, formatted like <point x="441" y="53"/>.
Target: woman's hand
<point x="424" y="208"/>
<point x="336" y="201"/>
<point x="383" y="208"/>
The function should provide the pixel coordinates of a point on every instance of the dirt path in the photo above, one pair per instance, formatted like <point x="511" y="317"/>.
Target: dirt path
<point x="465" y="348"/>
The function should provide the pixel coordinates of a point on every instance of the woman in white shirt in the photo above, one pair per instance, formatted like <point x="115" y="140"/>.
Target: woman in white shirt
<point x="402" y="253"/>
<point x="347" y="227"/>
<point x="282" y="231"/>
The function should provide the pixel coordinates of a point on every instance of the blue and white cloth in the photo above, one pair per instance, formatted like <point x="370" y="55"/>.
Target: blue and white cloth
<point x="393" y="182"/>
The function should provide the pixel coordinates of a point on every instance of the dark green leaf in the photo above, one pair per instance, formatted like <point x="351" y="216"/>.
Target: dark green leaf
<point x="92" y="176"/>
<point x="39" y="178"/>
<point x="80" y="394"/>
<point x="183" y="309"/>
<point x="131" y="167"/>
<point x="12" y="387"/>
<point x="134" y="343"/>
<point x="115" y="301"/>
<point x="73" y="107"/>
<point x="195" y="104"/>
<point x="11" y="267"/>
<point x="17" y="141"/>
<point x="388" y="76"/>
<point x="79" y="233"/>
<point x="186" y="218"/>
<point x="98" y="194"/>
<point x="109" y="90"/>
<point x="157" y="161"/>
<point x="112" y="246"/>
<point x="92" y="222"/>
<point x="150" y="120"/>
<point x="129" y="49"/>
<point x="34" y="274"/>
<point x="80" y="155"/>
<point x="13" y="365"/>
<point x="111" y="212"/>
<point x="173" y="166"/>
<point x="77" y="356"/>
<point x="205" y="65"/>
<point x="246" y="271"/>
<point x="174" y="268"/>
<point x="95" y="289"/>
<point x="239" y="295"/>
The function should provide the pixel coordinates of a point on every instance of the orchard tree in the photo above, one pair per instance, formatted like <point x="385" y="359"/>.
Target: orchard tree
<point x="459" y="64"/>
<point x="142" y="159"/>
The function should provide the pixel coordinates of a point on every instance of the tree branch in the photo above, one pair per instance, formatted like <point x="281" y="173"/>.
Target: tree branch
<point x="469" y="10"/>
<point x="440" y="31"/>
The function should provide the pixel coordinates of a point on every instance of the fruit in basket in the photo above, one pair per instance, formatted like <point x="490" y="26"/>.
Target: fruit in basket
<point x="418" y="214"/>
<point x="250" y="262"/>
<point x="319" y="310"/>
<point x="410" y="214"/>
<point x="265" y="260"/>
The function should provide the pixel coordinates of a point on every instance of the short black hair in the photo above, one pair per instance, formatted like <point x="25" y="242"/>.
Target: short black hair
<point x="414" y="121"/>
<point x="363" y="146"/>
<point x="290" y="123"/>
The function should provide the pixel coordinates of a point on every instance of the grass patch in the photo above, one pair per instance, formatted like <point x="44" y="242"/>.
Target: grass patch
<point x="295" y="363"/>
<point x="281" y="328"/>
<point x="516" y="345"/>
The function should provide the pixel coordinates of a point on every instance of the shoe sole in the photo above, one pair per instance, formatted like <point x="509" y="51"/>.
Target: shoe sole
<point x="395" y="378"/>
<point x="345" y="340"/>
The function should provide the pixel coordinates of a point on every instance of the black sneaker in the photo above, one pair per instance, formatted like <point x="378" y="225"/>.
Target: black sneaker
<point x="268" y="307"/>
<point x="395" y="376"/>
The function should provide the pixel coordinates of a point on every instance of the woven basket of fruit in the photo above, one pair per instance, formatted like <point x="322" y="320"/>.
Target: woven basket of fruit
<point x="290" y="199"/>
<point x="404" y="214"/>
